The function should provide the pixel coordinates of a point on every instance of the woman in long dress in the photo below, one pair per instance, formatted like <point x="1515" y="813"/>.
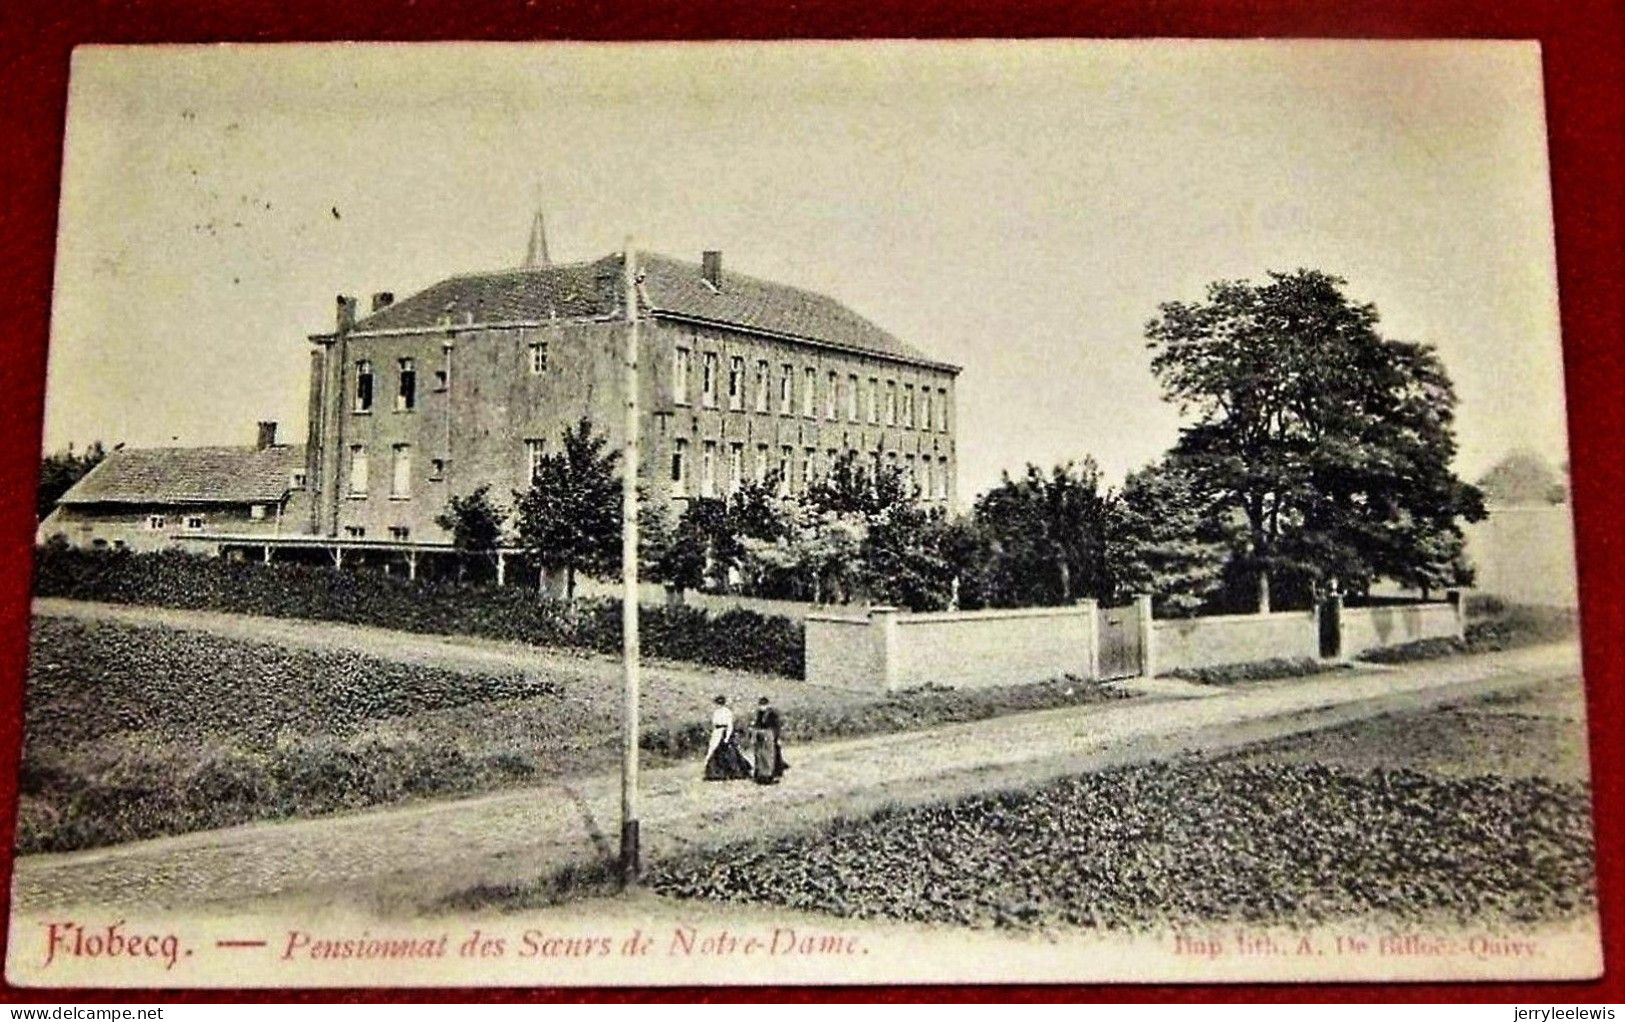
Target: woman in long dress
<point x="723" y="760"/>
<point x="768" y="752"/>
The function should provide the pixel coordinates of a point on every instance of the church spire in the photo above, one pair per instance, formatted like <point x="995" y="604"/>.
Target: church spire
<point x="536" y="251"/>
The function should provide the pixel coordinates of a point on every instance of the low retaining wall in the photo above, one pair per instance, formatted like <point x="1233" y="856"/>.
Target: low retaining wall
<point x="1368" y="628"/>
<point x="889" y="650"/>
<point x="1189" y="643"/>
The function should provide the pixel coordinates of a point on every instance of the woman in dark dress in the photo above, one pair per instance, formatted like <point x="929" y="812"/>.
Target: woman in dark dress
<point x="723" y="760"/>
<point x="765" y="730"/>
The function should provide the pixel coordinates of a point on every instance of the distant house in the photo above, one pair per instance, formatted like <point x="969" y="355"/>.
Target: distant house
<point x="1525" y="554"/>
<point x="148" y="499"/>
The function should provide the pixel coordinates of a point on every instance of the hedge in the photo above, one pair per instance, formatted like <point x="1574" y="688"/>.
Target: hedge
<point x="736" y="638"/>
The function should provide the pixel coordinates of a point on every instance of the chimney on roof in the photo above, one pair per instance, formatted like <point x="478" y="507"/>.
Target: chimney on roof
<point x="382" y="300"/>
<point x="267" y="436"/>
<point x="711" y="268"/>
<point x="346" y="312"/>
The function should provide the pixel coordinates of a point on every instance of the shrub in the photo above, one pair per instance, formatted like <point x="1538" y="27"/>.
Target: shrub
<point x="1262" y="670"/>
<point x="738" y="639"/>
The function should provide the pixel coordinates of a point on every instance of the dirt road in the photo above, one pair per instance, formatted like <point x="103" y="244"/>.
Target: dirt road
<point x="406" y="856"/>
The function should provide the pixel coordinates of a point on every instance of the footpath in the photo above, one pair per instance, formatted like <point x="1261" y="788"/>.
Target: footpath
<point x="403" y="857"/>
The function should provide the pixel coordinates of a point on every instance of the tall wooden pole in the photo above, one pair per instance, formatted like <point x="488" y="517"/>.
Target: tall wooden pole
<point x="629" y="582"/>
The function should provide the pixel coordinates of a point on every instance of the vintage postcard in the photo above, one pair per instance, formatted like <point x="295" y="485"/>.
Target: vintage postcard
<point x="1094" y="511"/>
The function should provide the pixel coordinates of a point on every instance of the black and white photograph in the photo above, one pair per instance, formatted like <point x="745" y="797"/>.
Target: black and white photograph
<point x="699" y="514"/>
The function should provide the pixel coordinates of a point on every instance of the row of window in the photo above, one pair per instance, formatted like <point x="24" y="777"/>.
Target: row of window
<point x="406" y="391"/>
<point x="881" y="401"/>
<point x="399" y="533"/>
<point x="400" y="470"/>
<point x="194" y="523"/>
<point x="928" y="477"/>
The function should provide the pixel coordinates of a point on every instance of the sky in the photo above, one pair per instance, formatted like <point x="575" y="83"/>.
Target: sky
<point x="1017" y="208"/>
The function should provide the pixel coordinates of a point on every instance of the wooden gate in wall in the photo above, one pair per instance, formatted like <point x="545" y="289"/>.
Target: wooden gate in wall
<point x="1119" y="631"/>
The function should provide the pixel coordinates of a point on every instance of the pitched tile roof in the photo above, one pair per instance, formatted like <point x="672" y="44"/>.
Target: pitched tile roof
<point x="189" y="475"/>
<point x="670" y="286"/>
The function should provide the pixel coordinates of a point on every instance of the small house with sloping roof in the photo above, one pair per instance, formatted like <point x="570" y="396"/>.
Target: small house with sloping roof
<point x="474" y="379"/>
<point x="151" y="498"/>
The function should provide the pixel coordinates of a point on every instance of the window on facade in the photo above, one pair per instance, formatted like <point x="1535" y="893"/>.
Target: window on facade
<point x="926" y="421"/>
<point x="708" y="381"/>
<point x="809" y="393"/>
<point x="708" y="469"/>
<point x="942" y="409"/>
<point x="852" y="398"/>
<point x="810" y="461"/>
<point x="155" y="522"/>
<point x="534" y="451"/>
<point x="407" y="397"/>
<point x="399" y="533"/>
<point x="256" y="512"/>
<point x="354" y="531"/>
<point x="942" y="475"/>
<point x="874" y="400"/>
<point x="440" y="379"/>
<point x="891" y="402"/>
<point x="832" y="397"/>
<point x="679" y="467"/>
<point x="679" y="377"/>
<point x="910" y="483"/>
<point x="736" y="383"/>
<point x="761" y="386"/>
<point x="400" y="474"/>
<point x="784" y="470"/>
<point x="363" y="386"/>
<point x="119" y="544"/>
<point x="194" y="522"/>
<point x="358" y="470"/>
<point x="908" y="404"/>
<point x="437" y="469"/>
<point x="761" y="463"/>
<point x="736" y="466"/>
<point x="538" y="357"/>
<point x="787" y="388"/>
<point x="296" y="480"/>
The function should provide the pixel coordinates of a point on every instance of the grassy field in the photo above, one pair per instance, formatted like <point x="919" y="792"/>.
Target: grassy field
<point x="1478" y="813"/>
<point x="140" y="730"/>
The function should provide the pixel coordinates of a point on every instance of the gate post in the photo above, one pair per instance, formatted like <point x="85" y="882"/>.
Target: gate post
<point x="1329" y="621"/>
<point x="883" y="627"/>
<point x="1453" y="597"/>
<point x="1091" y="654"/>
<point x="1148" y="636"/>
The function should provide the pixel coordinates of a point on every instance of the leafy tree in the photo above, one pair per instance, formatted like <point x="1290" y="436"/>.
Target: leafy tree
<point x="476" y="524"/>
<point x="1523" y="477"/>
<point x="1048" y="535"/>
<point x="1158" y="542"/>
<point x="697" y="546"/>
<point x="570" y="518"/>
<point x="59" y="471"/>
<point x="1329" y="445"/>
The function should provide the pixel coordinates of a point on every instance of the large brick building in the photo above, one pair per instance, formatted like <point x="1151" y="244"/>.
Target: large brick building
<point x="471" y="380"/>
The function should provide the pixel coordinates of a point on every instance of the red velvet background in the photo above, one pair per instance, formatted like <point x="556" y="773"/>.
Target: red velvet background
<point x="1584" y="52"/>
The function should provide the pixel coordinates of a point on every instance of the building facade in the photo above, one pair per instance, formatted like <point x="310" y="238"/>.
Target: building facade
<point x="472" y="380"/>
<point x="151" y="498"/>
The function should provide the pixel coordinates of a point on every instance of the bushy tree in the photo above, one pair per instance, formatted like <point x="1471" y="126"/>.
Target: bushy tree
<point x="477" y="525"/>
<point x="1158" y="541"/>
<point x="1329" y="444"/>
<point x="1523" y="477"/>
<point x="570" y="518"/>
<point x="59" y="471"/>
<point x="1047" y="533"/>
